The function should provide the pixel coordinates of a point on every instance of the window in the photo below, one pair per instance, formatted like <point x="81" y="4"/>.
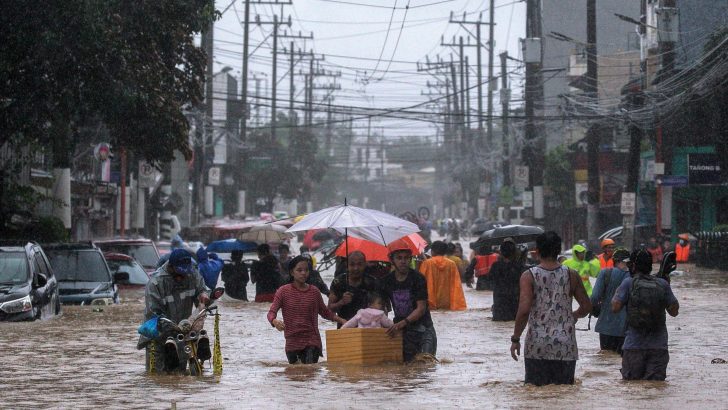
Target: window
<point x="72" y="265"/>
<point x="13" y="267"/>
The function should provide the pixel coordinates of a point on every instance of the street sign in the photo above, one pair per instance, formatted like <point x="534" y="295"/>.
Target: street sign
<point x="213" y="176"/>
<point x="527" y="199"/>
<point x="146" y="174"/>
<point x="672" y="180"/>
<point x="704" y="169"/>
<point x="628" y="203"/>
<point x="520" y="179"/>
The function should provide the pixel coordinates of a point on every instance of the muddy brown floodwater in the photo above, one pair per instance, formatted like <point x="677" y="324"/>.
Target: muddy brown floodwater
<point x="87" y="359"/>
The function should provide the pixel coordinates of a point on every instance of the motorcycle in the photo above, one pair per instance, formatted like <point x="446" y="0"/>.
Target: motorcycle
<point x="188" y="344"/>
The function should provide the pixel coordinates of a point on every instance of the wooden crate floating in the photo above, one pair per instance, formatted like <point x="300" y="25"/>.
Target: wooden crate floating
<point x="363" y="346"/>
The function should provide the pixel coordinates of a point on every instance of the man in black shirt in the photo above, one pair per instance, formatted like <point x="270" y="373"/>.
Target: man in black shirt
<point x="349" y="291"/>
<point x="265" y="274"/>
<point x="406" y="289"/>
<point x="236" y="277"/>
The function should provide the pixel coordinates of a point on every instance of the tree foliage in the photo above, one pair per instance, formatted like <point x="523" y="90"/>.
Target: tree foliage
<point x="289" y="171"/>
<point x="559" y="177"/>
<point x="132" y="65"/>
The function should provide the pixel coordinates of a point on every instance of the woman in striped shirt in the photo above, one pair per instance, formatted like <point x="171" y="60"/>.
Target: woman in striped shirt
<point x="301" y="304"/>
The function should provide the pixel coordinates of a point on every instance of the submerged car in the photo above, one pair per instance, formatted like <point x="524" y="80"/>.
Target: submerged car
<point x="82" y="273"/>
<point x="126" y="271"/>
<point x="28" y="288"/>
<point x="141" y="249"/>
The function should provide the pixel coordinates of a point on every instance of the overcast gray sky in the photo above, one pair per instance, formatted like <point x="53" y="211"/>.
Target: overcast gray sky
<point x="374" y="46"/>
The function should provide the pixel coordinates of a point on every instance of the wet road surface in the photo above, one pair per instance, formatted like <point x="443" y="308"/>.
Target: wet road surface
<point x="86" y="359"/>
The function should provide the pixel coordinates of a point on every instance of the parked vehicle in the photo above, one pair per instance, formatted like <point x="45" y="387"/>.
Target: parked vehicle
<point x="141" y="249"/>
<point x="28" y="287"/>
<point x="126" y="271"/>
<point x="82" y="273"/>
<point x="163" y="247"/>
<point x="481" y="225"/>
<point x="514" y="215"/>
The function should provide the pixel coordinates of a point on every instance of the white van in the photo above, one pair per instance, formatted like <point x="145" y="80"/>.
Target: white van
<point x="513" y="215"/>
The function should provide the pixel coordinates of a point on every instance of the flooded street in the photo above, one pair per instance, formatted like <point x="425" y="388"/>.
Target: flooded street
<point x="88" y="359"/>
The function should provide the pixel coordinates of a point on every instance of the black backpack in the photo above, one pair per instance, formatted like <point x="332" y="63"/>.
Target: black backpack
<point x="646" y="304"/>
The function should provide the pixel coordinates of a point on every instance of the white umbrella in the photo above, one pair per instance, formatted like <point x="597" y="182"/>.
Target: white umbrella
<point x="362" y="223"/>
<point x="266" y="233"/>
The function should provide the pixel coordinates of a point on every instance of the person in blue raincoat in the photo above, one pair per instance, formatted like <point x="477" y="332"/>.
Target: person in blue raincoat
<point x="209" y="265"/>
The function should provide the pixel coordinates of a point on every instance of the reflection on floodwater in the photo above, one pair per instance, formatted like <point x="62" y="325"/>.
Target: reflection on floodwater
<point x="87" y="359"/>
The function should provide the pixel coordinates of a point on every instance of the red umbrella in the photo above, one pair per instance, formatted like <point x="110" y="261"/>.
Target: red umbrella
<point x="376" y="252"/>
<point x="372" y="250"/>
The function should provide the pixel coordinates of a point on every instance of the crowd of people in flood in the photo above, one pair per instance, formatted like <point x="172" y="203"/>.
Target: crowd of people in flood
<point x="533" y="288"/>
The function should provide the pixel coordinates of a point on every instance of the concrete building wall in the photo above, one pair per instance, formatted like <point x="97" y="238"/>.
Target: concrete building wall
<point x="568" y="17"/>
<point x="698" y="19"/>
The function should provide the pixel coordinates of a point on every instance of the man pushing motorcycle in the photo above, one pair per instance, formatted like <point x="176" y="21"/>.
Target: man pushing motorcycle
<point x="171" y="293"/>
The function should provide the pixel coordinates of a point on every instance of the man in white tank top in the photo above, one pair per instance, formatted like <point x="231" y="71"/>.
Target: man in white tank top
<point x="546" y="292"/>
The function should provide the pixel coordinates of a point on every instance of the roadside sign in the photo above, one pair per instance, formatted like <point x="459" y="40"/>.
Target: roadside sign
<point x="146" y="174"/>
<point x="520" y="179"/>
<point x="628" y="203"/>
<point x="672" y="180"/>
<point x="704" y="169"/>
<point x="213" y="176"/>
<point x="527" y="199"/>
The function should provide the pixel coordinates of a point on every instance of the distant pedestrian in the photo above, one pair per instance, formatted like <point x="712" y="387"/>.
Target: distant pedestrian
<point x="505" y="275"/>
<point x="265" y="274"/>
<point x="284" y="258"/>
<point x="480" y="268"/>
<point x="583" y="266"/>
<point x="444" y="288"/>
<point x="461" y="265"/>
<point x="301" y="304"/>
<point x="236" y="276"/>
<point x="654" y="249"/>
<point x="547" y="291"/>
<point x="605" y="258"/>
<point x="610" y="325"/>
<point x="645" y="355"/>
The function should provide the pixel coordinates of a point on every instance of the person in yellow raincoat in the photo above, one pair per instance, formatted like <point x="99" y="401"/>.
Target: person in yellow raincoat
<point x="584" y="268"/>
<point x="444" y="289"/>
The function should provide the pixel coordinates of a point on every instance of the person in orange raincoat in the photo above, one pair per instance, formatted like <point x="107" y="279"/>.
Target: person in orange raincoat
<point x="444" y="290"/>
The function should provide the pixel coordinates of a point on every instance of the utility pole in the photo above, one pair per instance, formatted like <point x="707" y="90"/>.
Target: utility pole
<point x="636" y="100"/>
<point x="291" y="69"/>
<point x="246" y="43"/>
<point x="505" y="100"/>
<point x="592" y="207"/>
<point x="274" y="80"/>
<point x="203" y="129"/>
<point x="467" y="93"/>
<point x="455" y="100"/>
<point x="479" y="45"/>
<point x="663" y="143"/>
<point x="460" y="47"/>
<point x="533" y="57"/>
<point x="491" y="46"/>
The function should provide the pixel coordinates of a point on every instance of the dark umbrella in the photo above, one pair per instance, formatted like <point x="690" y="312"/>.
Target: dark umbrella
<point x="519" y="234"/>
<point x="230" y="245"/>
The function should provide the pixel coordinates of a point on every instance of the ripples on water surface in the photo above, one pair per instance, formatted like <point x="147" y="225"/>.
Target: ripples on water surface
<point x="87" y="359"/>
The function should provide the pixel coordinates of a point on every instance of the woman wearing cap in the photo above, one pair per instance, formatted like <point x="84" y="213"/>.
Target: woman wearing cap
<point x="611" y="325"/>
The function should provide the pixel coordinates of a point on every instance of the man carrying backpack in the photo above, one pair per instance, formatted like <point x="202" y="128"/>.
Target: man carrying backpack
<point x="645" y="355"/>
